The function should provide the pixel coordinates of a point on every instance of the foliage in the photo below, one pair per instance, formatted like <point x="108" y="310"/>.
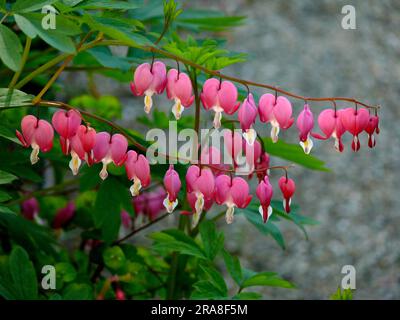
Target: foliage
<point x="90" y="260"/>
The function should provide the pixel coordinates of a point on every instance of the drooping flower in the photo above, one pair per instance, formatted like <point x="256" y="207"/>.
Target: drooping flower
<point x="262" y="166"/>
<point x="232" y="193"/>
<point x="30" y="208"/>
<point x="220" y="97"/>
<point x="264" y="193"/>
<point x="147" y="80"/>
<point x="172" y="184"/>
<point x="355" y="122"/>
<point x="371" y="128"/>
<point x="247" y="117"/>
<point x="149" y="204"/>
<point x="82" y="145"/>
<point x="233" y="143"/>
<point x="288" y="188"/>
<point x="252" y="154"/>
<point x="37" y="134"/>
<point x="277" y="111"/>
<point x="126" y="220"/>
<point x="211" y="156"/>
<point x="66" y="123"/>
<point x="200" y="182"/>
<point x="179" y="88"/>
<point x="64" y="215"/>
<point x="330" y="123"/>
<point x="305" y="123"/>
<point x="109" y="149"/>
<point x="138" y="170"/>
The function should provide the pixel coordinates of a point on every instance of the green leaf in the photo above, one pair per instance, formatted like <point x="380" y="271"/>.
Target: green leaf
<point x="102" y="4"/>
<point x="10" y="48"/>
<point x="29" y="5"/>
<point x="247" y="296"/>
<point x="25" y="25"/>
<point x="269" y="279"/>
<point x="266" y="228"/>
<point x="59" y="38"/>
<point x="114" y="258"/>
<point x="212" y="240"/>
<point x="65" y="271"/>
<point x="117" y="29"/>
<point x="107" y="211"/>
<point x="233" y="265"/>
<point x="25" y="232"/>
<point x="293" y="153"/>
<point x="6" y="177"/>
<point x="23" y="274"/>
<point x="216" y="279"/>
<point x="78" y="291"/>
<point x="177" y="240"/>
<point x="105" y="57"/>
<point x="204" y="289"/>
<point x="4" y="196"/>
<point x="297" y="219"/>
<point x="17" y="98"/>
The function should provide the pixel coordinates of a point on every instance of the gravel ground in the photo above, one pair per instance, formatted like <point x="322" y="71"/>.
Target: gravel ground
<point x="300" y="46"/>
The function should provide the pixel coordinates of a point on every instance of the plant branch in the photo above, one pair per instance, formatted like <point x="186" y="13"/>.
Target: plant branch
<point x="129" y="235"/>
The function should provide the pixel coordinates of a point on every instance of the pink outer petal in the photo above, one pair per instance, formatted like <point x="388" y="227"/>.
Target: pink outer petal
<point x="372" y="124"/>
<point x="266" y="106"/>
<point x="210" y="155"/>
<point x="159" y="77"/>
<point x="142" y="79"/>
<point x="200" y="181"/>
<point x="209" y="94"/>
<point x="227" y="97"/>
<point x="264" y="192"/>
<point x="143" y="170"/>
<point x="130" y="164"/>
<point x="66" y="123"/>
<point x="28" y="126"/>
<point x="44" y="135"/>
<point x="233" y="148"/>
<point x="253" y="153"/>
<point x="76" y="146"/>
<point x="240" y="192"/>
<point x="287" y="187"/>
<point x="87" y="135"/>
<point x="102" y="146"/>
<point x="180" y="86"/>
<point x="247" y="113"/>
<point x="283" y="112"/>
<point x="305" y="123"/>
<point x="327" y="124"/>
<point x="222" y="189"/>
<point x="172" y="183"/>
<point x="119" y="146"/>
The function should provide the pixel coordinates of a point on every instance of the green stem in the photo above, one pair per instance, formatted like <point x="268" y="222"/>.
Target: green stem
<point x="41" y="69"/>
<point x="25" y="55"/>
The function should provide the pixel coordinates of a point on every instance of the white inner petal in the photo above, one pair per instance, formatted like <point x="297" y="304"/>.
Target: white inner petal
<point x="75" y="163"/>
<point x="307" y="145"/>
<point x="136" y="186"/>
<point x="170" y="206"/>
<point x="148" y="101"/>
<point x="250" y="136"/>
<point x="229" y="214"/>
<point x="177" y="109"/>
<point x="274" y="131"/>
<point x="35" y="153"/>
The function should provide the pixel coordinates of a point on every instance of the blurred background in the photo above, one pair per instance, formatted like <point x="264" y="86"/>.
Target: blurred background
<point x="300" y="46"/>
